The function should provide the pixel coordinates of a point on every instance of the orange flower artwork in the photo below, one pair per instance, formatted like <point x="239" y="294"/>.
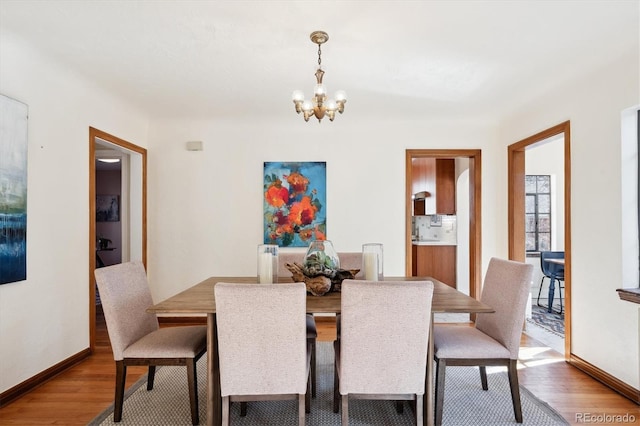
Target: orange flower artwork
<point x="294" y="203"/>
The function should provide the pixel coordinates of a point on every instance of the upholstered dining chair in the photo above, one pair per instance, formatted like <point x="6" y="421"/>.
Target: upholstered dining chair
<point x="382" y="351"/>
<point x="262" y="344"/>
<point x="495" y="339"/>
<point x="135" y="336"/>
<point x="348" y="260"/>
<point x="312" y="330"/>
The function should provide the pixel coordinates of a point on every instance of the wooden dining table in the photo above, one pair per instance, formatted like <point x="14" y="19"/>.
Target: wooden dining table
<point x="200" y="299"/>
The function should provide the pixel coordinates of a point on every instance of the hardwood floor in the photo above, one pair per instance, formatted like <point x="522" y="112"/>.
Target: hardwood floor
<point x="76" y="396"/>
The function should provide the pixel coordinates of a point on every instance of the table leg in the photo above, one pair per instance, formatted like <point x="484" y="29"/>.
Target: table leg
<point x="99" y="262"/>
<point x="552" y="288"/>
<point x="428" y="397"/>
<point x="214" y="400"/>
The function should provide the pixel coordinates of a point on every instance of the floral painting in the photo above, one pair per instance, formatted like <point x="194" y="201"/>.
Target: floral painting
<point x="295" y="203"/>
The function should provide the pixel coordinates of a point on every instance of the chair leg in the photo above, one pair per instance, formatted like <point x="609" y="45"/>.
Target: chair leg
<point x="344" y="419"/>
<point x="307" y="395"/>
<point x="399" y="407"/>
<point x="121" y="375"/>
<point x="313" y="368"/>
<point x="540" y="292"/>
<point x="440" y="369"/>
<point x="483" y="377"/>
<point x="243" y="409"/>
<point x="515" y="389"/>
<point x="225" y="410"/>
<point x="302" y="402"/>
<point x="336" y="389"/>
<point x="560" y="293"/>
<point x="192" y="379"/>
<point x="419" y="413"/>
<point x="151" y="377"/>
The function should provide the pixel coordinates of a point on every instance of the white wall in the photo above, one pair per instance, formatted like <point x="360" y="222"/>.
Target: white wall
<point x="605" y="330"/>
<point x="44" y="320"/>
<point x="629" y="183"/>
<point x="207" y="206"/>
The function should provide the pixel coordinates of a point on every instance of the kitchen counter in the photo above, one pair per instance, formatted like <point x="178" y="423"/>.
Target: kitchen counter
<point x="432" y="243"/>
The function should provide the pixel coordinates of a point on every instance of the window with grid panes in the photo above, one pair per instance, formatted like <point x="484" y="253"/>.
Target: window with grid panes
<point x="537" y="213"/>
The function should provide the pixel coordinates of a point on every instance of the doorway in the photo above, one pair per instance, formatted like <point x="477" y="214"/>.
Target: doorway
<point x="130" y="213"/>
<point x="474" y="214"/>
<point x="516" y="216"/>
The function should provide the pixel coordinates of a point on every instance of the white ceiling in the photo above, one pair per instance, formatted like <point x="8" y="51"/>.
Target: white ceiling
<point x="206" y="59"/>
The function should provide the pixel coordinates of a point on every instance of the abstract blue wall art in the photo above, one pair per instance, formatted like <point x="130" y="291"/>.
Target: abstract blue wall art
<point x="13" y="190"/>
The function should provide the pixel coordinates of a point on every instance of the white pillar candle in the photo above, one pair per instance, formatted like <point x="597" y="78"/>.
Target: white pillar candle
<point x="371" y="266"/>
<point x="265" y="268"/>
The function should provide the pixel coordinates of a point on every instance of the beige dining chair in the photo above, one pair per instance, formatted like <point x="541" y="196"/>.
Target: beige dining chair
<point x="348" y="260"/>
<point x="312" y="330"/>
<point x="135" y="336"/>
<point x="495" y="339"/>
<point x="262" y="344"/>
<point x="382" y="351"/>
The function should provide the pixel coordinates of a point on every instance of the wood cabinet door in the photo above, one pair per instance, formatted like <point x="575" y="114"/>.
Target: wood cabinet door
<point x="445" y="186"/>
<point x="423" y="178"/>
<point x="438" y="262"/>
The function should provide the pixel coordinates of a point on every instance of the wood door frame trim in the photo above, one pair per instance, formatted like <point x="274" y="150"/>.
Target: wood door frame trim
<point x="475" y="209"/>
<point x="516" y="172"/>
<point x="93" y="134"/>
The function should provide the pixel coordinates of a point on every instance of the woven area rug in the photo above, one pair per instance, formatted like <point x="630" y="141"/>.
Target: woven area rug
<point x="465" y="402"/>
<point x="552" y="322"/>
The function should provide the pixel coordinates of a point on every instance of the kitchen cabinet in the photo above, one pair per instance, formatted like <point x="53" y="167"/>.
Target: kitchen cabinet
<point x="437" y="261"/>
<point x="437" y="177"/>
<point x="445" y="186"/>
<point x="423" y="177"/>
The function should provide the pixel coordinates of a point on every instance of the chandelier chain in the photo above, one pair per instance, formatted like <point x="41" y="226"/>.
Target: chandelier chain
<point x="319" y="56"/>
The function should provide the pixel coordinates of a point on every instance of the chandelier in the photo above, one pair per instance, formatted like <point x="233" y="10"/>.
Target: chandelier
<point x="319" y="105"/>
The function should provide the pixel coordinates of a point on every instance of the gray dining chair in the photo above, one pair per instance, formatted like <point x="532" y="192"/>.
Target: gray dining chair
<point x="262" y="344"/>
<point x="135" y="336"/>
<point x="382" y="351"/>
<point x="495" y="339"/>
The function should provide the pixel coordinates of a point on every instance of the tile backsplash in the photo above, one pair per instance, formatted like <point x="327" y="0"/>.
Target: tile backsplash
<point x="435" y="228"/>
